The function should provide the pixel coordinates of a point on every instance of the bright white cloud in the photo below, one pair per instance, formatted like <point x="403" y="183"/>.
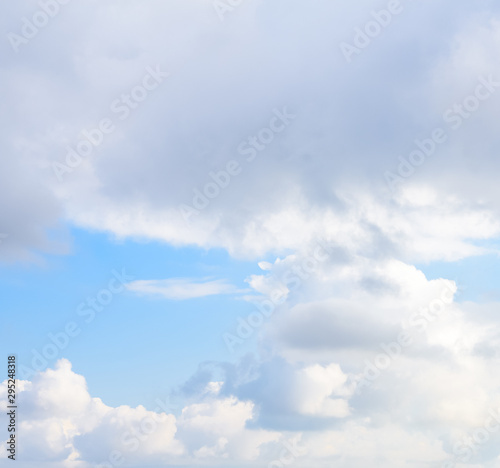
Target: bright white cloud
<point x="61" y="423"/>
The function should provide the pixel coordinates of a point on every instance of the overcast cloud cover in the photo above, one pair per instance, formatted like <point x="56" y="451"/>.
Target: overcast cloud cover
<point x="344" y="166"/>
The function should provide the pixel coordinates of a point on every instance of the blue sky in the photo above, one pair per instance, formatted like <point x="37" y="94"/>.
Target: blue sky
<point x="43" y="298"/>
<point x="476" y="277"/>
<point x="255" y="233"/>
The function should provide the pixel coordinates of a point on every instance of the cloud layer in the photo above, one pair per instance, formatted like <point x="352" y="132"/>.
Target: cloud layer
<point x="173" y="137"/>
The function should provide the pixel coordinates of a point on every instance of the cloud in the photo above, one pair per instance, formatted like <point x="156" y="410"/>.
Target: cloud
<point x="434" y="406"/>
<point x="30" y="213"/>
<point x="182" y="288"/>
<point x="217" y="430"/>
<point x="62" y="424"/>
<point x="170" y="148"/>
<point x="435" y="392"/>
<point x="294" y="397"/>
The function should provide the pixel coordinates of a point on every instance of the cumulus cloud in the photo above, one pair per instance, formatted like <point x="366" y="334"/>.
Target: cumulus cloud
<point x="441" y="380"/>
<point x="433" y="392"/>
<point x="61" y="423"/>
<point x="216" y="430"/>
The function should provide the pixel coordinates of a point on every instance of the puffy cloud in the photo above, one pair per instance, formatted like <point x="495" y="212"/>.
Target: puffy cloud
<point x="441" y="379"/>
<point x="62" y="423"/>
<point x="314" y="387"/>
<point x="136" y="433"/>
<point x="217" y="430"/>
<point x="295" y="396"/>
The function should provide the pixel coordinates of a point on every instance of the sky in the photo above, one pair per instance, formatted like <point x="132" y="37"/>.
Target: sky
<point x="250" y="233"/>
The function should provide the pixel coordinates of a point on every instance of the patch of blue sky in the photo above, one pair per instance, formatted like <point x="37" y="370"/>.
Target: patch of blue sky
<point x="136" y="343"/>
<point x="477" y="277"/>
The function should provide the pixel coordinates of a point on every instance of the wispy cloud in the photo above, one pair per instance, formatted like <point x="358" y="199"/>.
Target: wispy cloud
<point x="183" y="288"/>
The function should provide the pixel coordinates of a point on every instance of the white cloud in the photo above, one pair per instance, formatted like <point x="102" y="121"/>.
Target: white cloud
<point x="316" y="387"/>
<point x="219" y="427"/>
<point x="62" y="423"/>
<point x="182" y="288"/>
